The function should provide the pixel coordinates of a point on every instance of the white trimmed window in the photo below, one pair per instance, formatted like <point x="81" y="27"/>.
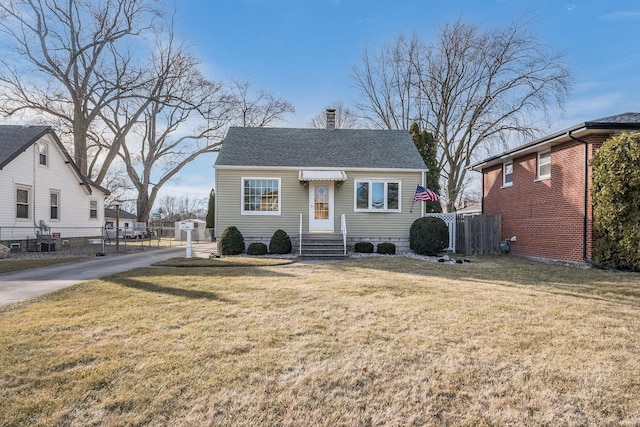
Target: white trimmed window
<point x="377" y="196"/>
<point x="43" y="152"/>
<point x="93" y="209"/>
<point x="507" y="174"/>
<point x="54" y="205"/>
<point x="260" y="196"/>
<point x="22" y="202"/>
<point x="544" y="165"/>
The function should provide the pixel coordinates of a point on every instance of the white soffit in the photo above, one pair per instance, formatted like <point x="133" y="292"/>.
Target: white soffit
<point x="319" y="175"/>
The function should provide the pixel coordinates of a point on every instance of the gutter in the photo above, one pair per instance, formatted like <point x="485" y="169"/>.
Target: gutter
<point x="584" y="216"/>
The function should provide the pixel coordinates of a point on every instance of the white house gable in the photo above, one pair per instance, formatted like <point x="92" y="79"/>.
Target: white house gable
<point x="41" y="184"/>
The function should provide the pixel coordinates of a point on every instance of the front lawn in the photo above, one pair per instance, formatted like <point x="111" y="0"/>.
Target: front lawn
<point x="373" y="341"/>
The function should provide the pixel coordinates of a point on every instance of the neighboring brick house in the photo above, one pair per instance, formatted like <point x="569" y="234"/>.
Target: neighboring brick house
<point x="541" y="190"/>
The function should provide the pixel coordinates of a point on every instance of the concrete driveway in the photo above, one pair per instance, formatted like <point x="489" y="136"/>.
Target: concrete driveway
<point x="22" y="285"/>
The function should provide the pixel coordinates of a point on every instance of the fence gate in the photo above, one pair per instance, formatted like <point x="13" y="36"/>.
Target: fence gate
<point x="478" y="234"/>
<point x="450" y="220"/>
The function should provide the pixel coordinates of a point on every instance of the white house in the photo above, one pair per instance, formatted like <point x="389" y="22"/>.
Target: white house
<point x="42" y="190"/>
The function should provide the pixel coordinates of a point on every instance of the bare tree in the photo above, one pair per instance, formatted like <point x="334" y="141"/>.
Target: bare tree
<point x="181" y="117"/>
<point x="256" y="108"/>
<point x="483" y="87"/>
<point x="345" y="117"/>
<point x="175" y="209"/>
<point x="471" y="89"/>
<point x="388" y="84"/>
<point x="70" y="59"/>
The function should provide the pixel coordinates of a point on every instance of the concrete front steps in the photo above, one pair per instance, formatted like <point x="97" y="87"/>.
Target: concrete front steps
<point x="322" y="246"/>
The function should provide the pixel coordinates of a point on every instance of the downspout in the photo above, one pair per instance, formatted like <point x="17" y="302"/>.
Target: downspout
<point x="585" y="205"/>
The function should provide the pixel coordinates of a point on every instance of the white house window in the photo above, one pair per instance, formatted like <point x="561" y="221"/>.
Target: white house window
<point x="507" y="174"/>
<point x="43" y="151"/>
<point x="22" y="202"/>
<point x="544" y="165"/>
<point x="93" y="209"/>
<point x="260" y="196"/>
<point x="377" y="196"/>
<point x="54" y="205"/>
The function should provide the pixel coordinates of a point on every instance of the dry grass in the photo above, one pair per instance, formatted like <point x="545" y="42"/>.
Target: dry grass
<point x="7" y="265"/>
<point x="239" y="261"/>
<point x="379" y="341"/>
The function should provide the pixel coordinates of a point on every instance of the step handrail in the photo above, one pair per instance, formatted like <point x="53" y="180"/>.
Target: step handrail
<point x="343" y="230"/>
<point x="300" y="239"/>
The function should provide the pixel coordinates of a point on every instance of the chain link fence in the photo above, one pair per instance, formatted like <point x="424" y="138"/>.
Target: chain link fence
<point x="91" y="241"/>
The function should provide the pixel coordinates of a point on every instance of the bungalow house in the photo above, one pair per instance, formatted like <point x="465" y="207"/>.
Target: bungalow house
<point x="542" y="190"/>
<point x="358" y="185"/>
<point x="42" y="190"/>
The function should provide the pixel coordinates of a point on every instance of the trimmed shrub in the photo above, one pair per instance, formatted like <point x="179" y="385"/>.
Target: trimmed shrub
<point x="257" y="248"/>
<point x="280" y="243"/>
<point x="364" y="247"/>
<point x="231" y="241"/>
<point x="386" y="248"/>
<point x="429" y="236"/>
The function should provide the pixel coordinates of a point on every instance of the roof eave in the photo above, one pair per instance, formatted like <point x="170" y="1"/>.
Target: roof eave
<point x="553" y="139"/>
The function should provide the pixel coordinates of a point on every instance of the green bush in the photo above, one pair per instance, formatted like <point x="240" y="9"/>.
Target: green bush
<point x="257" y="248"/>
<point x="364" y="247"/>
<point x="386" y="248"/>
<point x="231" y="242"/>
<point x="428" y="236"/>
<point x="616" y="202"/>
<point x="280" y="243"/>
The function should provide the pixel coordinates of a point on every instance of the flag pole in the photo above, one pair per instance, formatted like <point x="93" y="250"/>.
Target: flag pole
<point x="414" y="200"/>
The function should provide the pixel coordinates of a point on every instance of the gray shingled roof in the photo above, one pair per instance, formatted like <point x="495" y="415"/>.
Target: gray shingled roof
<point x="624" y="118"/>
<point x="14" y="139"/>
<point x="319" y="148"/>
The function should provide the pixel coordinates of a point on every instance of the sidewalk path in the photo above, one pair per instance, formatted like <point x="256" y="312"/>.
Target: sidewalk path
<point x="22" y="285"/>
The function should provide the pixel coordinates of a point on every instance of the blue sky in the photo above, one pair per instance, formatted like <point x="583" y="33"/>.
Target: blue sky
<point x="304" y="50"/>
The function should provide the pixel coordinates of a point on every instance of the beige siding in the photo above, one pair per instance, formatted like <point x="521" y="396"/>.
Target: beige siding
<point x="385" y="225"/>
<point x="294" y="200"/>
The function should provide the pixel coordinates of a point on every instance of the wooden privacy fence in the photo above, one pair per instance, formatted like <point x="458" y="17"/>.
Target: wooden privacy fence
<point x="478" y="234"/>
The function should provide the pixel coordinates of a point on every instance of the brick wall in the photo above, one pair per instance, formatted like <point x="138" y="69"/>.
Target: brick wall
<point x="546" y="216"/>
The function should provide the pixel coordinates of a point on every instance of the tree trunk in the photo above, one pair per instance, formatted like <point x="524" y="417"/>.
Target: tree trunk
<point x="80" y="144"/>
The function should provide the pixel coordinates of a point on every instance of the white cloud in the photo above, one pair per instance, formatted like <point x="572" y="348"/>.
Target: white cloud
<point x="622" y="16"/>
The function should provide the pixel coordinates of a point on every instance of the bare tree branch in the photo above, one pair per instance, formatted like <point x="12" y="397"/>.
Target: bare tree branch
<point x="345" y="117"/>
<point x="472" y="89"/>
<point x="70" y="59"/>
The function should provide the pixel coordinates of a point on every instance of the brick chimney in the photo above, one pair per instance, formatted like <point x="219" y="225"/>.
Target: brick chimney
<point x="331" y="118"/>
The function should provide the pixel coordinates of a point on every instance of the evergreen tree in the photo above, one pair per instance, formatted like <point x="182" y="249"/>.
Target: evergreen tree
<point x="616" y="202"/>
<point x="426" y="145"/>
<point x="211" y="213"/>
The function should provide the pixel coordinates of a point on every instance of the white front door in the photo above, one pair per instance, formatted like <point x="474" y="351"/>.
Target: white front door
<point x="321" y="207"/>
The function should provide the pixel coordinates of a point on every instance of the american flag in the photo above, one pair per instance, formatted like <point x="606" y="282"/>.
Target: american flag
<point x="425" y="195"/>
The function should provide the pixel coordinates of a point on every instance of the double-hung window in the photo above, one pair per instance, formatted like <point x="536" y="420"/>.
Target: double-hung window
<point x="377" y="196"/>
<point x="22" y="202"/>
<point x="544" y="165"/>
<point x="54" y="205"/>
<point x="43" y="153"/>
<point x="93" y="209"/>
<point x="260" y="196"/>
<point x="507" y="174"/>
